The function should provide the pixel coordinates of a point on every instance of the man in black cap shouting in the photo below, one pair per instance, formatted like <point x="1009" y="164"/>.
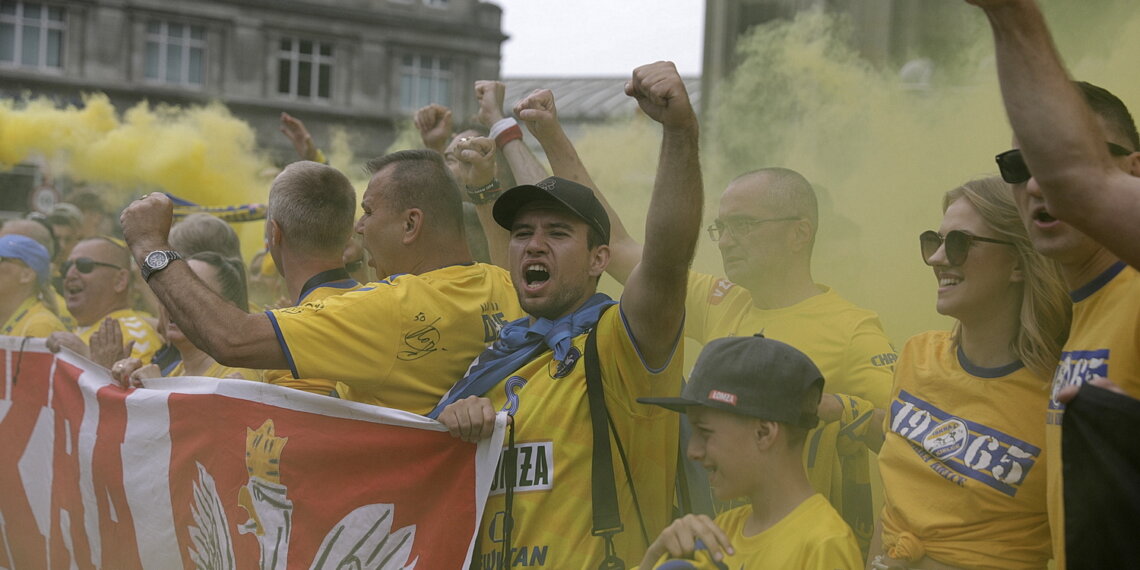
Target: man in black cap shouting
<point x="751" y="401"/>
<point x="539" y="512"/>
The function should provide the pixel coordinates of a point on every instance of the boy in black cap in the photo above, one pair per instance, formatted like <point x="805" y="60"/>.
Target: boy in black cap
<point x="751" y="402"/>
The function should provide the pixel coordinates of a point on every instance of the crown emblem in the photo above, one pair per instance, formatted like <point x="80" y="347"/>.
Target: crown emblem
<point x="263" y="452"/>
<point x="547" y="184"/>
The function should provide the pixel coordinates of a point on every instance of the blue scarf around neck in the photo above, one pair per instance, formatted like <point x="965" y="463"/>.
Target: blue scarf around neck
<point x="520" y="342"/>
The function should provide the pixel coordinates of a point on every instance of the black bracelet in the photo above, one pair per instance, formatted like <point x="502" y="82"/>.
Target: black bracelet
<point x="484" y="194"/>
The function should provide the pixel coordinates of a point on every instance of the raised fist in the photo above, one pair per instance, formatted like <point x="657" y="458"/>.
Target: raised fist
<point x="538" y="112"/>
<point x="434" y="124"/>
<point x="661" y="94"/>
<point x="476" y="157"/>
<point x="489" y="95"/>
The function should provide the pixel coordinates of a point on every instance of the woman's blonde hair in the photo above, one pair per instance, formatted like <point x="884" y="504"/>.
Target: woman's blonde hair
<point x="1045" y="306"/>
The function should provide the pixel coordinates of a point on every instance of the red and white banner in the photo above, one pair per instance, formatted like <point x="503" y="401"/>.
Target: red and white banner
<point x="223" y="474"/>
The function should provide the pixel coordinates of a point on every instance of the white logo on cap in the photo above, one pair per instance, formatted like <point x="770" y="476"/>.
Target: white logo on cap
<point x="718" y="396"/>
<point x="547" y="184"/>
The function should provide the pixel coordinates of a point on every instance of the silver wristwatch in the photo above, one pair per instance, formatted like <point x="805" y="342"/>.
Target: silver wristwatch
<point x="157" y="261"/>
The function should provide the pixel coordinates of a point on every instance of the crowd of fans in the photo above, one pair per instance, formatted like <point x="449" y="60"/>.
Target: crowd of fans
<point x="469" y="286"/>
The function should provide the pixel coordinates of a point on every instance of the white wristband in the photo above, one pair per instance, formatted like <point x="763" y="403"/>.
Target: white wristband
<point x="501" y="125"/>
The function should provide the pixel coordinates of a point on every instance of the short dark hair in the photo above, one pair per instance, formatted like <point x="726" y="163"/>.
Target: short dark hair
<point x="313" y="204"/>
<point x="1110" y="108"/>
<point x="422" y="180"/>
<point x="231" y="275"/>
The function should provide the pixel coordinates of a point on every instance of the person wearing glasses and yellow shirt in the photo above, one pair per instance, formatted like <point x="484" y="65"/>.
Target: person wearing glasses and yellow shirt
<point x="96" y="288"/>
<point x="964" y="460"/>
<point x="25" y="268"/>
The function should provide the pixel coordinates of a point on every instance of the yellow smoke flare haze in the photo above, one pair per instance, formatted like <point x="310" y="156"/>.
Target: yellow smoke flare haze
<point x="202" y="154"/>
<point x="880" y="153"/>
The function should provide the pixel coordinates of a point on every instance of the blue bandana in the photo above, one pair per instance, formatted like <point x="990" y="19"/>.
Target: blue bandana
<point x="520" y="342"/>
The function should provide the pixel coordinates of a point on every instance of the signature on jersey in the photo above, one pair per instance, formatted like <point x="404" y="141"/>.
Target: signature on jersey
<point x="420" y="342"/>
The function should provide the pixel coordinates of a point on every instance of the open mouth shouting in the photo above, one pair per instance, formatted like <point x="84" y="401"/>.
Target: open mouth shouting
<point x="536" y="275"/>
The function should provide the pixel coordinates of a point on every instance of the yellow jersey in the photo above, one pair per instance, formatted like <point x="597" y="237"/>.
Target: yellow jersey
<point x="135" y="325"/>
<point x="845" y="341"/>
<point x="811" y="537"/>
<point x="1103" y="341"/>
<point x="219" y="371"/>
<point x="320" y="287"/>
<point x="401" y="342"/>
<point x="32" y="318"/>
<point x="963" y="461"/>
<point x="554" y="442"/>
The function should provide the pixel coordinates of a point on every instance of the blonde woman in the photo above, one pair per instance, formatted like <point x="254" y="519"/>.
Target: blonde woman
<point x="963" y="461"/>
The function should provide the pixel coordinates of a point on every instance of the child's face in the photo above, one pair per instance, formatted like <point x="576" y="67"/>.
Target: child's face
<point x="726" y="445"/>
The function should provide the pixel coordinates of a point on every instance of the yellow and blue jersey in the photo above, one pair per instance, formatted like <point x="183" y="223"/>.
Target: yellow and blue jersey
<point x="321" y="287"/>
<point x="1104" y="341"/>
<point x="401" y="342"/>
<point x="554" y="442"/>
<point x="963" y="464"/>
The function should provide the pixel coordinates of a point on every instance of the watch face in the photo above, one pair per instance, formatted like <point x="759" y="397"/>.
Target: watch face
<point x="156" y="260"/>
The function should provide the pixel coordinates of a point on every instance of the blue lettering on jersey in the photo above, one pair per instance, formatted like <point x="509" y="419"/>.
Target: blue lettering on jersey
<point x="1076" y="368"/>
<point x="955" y="447"/>
<point x="512" y="387"/>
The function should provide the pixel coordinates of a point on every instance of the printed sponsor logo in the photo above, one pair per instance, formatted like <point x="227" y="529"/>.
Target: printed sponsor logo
<point x="884" y="359"/>
<point x="534" y="468"/>
<point x="1076" y="368"/>
<point x="959" y="449"/>
<point x="725" y="397"/>
<point x="720" y="291"/>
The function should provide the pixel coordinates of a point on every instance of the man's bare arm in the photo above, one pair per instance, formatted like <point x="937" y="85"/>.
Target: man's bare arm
<point x="228" y="334"/>
<point x="654" y="296"/>
<point x="1059" y="135"/>
<point x="538" y="111"/>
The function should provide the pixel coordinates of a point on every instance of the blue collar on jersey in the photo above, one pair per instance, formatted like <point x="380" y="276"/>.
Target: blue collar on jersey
<point x="520" y="342"/>
<point x="327" y="278"/>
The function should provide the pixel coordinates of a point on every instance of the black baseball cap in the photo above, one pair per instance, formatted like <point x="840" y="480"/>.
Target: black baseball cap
<point x="752" y="376"/>
<point x="575" y="197"/>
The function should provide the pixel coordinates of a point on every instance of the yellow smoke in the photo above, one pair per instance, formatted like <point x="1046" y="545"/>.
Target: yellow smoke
<point x="880" y="154"/>
<point x="202" y="154"/>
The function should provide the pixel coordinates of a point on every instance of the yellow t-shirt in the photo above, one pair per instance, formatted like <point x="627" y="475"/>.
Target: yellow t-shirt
<point x="219" y="371"/>
<point x="314" y="294"/>
<point x="32" y="318"/>
<point x="846" y="342"/>
<point x="134" y="326"/>
<point x="552" y="505"/>
<point x="1103" y="341"/>
<point x="811" y="537"/>
<point x="401" y="342"/>
<point x="962" y="461"/>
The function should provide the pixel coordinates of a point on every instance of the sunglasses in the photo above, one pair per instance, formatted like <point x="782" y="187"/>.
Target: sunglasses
<point x="957" y="245"/>
<point x="84" y="265"/>
<point x="1015" y="171"/>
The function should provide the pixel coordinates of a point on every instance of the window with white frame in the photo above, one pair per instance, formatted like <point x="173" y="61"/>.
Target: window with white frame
<point x="304" y="69"/>
<point x="31" y="34"/>
<point x="175" y="53"/>
<point x="424" y="80"/>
